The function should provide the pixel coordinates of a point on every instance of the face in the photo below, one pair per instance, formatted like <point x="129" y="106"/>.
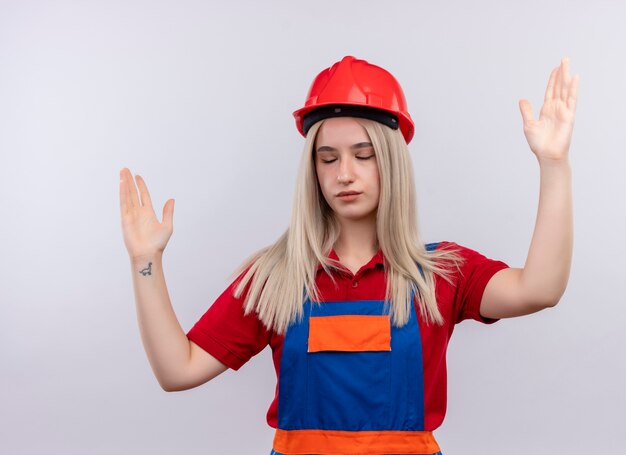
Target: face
<point x="347" y="170"/>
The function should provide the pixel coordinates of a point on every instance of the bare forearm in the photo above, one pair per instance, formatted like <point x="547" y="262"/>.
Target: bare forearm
<point x="164" y="340"/>
<point x="542" y="281"/>
<point x="547" y="266"/>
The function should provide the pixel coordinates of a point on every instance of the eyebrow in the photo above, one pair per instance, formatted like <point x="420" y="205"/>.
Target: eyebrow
<point x="360" y="145"/>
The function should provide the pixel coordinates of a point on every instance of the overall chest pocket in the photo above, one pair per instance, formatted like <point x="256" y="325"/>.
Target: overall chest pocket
<point x="349" y="372"/>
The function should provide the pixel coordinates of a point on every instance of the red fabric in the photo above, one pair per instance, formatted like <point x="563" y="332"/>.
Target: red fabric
<point x="232" y="338"/>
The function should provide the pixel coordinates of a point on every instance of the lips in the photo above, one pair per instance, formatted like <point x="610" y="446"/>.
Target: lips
<point x="348" y="193"/>
<point x="348" y="196"/>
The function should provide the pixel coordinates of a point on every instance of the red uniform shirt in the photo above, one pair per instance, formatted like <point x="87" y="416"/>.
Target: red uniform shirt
<point x="232" y="338"/>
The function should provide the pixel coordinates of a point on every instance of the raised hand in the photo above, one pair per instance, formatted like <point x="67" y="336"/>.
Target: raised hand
<point x="143" y="234"/>
<point x="549" y="137"/>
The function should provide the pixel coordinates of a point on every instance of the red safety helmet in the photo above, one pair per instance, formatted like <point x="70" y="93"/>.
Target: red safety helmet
<point x="356" y="88"/>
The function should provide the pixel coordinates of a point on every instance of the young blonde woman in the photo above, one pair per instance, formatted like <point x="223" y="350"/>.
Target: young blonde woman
<point x="356" y="309"/>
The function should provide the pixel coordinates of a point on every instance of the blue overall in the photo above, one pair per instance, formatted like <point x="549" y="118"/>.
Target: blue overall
<point x="366" y="391"/>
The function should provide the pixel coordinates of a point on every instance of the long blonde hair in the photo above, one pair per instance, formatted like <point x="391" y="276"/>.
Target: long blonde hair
<point x="282" y="275"/>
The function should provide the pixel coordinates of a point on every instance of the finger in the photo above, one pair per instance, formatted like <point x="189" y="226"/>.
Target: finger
<point x="123" y="199"/>
<point x="527" y="111"/>
<point x="565" y="78"/>
<point x="558" y="81"/>
<point x="550" y="89"/>
<point x="572" y="95"/>
<point x="143" y="191"/>
<point x="168" y="213"/>
<point x="130" y="193"/>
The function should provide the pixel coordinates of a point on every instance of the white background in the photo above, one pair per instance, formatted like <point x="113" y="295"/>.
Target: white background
<point x="197" y="96"/>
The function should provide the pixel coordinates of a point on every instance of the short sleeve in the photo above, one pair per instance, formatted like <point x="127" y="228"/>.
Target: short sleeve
<point x="225" y="333"/>
<point x="475" y="273"/>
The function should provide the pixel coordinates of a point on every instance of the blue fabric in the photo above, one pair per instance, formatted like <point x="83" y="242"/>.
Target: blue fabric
<point x="427" y="247"/>
<point x="351" y="391"/>
<point x="431" y="246"/>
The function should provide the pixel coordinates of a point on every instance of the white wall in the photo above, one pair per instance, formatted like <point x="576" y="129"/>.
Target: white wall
<point x="197" y="96"/>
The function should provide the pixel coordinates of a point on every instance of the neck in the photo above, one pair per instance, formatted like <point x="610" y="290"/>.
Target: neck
<point x="357" y="238"/>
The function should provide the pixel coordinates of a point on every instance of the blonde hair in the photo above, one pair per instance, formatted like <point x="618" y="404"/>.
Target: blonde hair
<point x="282" y="275"/>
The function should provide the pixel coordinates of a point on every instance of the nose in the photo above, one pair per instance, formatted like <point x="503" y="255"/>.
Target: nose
<point x="345" y="172"/>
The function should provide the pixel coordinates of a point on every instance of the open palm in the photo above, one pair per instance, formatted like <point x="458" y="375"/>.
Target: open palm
<point x="143" y="233"/>
<point x="549" y="137"/>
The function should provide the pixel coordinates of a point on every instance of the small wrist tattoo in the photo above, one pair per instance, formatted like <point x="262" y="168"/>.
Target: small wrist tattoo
<point x="147" y="270"/>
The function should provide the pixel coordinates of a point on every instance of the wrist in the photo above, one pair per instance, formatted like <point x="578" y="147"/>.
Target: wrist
<point x="143" y="259"/>
<point x="547" y="163"/>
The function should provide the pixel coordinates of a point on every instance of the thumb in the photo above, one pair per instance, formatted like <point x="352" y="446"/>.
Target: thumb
<point x="527" y="111"/>
<point x="168" y="213"/>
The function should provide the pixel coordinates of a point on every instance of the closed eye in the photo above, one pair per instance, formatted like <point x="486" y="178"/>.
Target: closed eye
<point x="365" y="157"/>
